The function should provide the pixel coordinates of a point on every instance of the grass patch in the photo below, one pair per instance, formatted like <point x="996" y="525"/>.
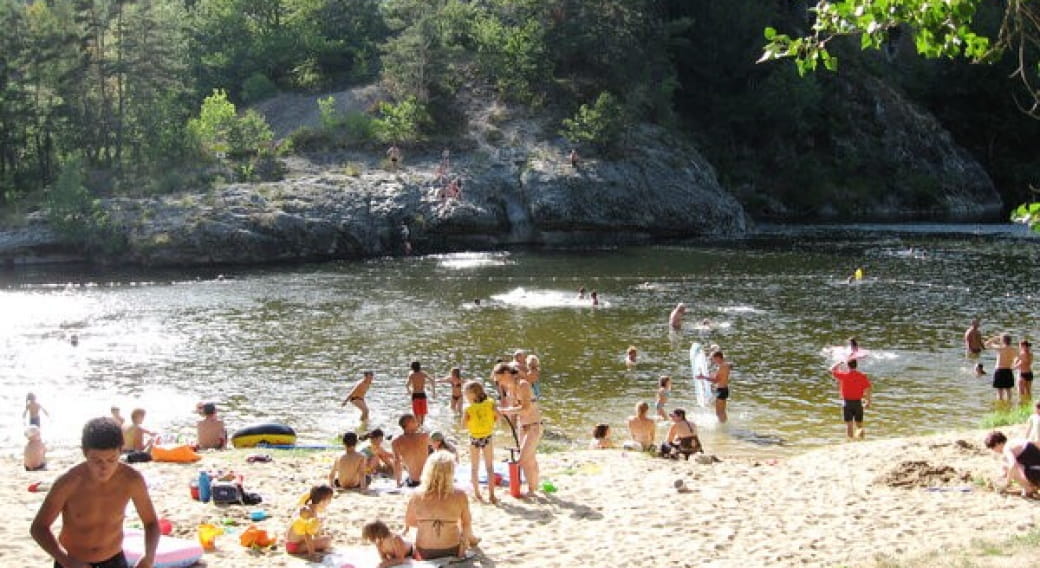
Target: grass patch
<point x="1018" y="550"/>
<point x="1006" y="416"/>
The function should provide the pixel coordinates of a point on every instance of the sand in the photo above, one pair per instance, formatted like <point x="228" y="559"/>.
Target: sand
<point x="853" y="504"/>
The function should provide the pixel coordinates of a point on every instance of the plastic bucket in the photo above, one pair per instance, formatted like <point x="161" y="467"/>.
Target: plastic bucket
<point x="208" y="534"/>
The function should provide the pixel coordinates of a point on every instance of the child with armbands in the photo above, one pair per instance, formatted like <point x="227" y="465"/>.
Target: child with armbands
<point x="305" y="533"/>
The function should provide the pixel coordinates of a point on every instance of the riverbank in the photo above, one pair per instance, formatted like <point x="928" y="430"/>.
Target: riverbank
<point x="868" y="503"/>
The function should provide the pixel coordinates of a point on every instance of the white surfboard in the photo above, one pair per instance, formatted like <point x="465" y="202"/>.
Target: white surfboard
<point x="699" y="368"/>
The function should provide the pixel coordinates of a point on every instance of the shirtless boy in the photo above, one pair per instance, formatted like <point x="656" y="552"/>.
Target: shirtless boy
<point x="973" y="339"/>
<point x="91" y="499"/>
<point x="349" y="470"/>
<point x="356" y="396"/>
<point x="135" y="434"/>
<point x="720" y="380"/>
<point x="33" y="410"/>
<point x="675" y="318"/>
<point x="211" y="434"/>
<point x="410" y="451"/>
<point x="416" y="387"/>
<point x="642" y="429"/>
<point x="1003" y="376"/>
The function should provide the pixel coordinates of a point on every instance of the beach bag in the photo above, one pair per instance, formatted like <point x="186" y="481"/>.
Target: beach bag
<point x="227" y="493"/>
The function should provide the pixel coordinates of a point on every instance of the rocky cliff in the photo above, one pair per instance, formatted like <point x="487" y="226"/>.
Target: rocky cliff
<point x="522" y="190"/>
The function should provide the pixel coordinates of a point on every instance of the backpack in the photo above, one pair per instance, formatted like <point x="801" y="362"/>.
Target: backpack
<point x="227" y="493"/>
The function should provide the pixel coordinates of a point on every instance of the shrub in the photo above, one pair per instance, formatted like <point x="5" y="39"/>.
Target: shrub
<point x="257" y="88"/>
<point x="403" y="122"/>
<point x="600" y="125"/>
<point x="77" y="216"/>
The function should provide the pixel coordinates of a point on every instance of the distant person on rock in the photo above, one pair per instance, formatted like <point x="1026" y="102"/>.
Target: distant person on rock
<point x="394" y="154"/>
<point x="575" y="160"/>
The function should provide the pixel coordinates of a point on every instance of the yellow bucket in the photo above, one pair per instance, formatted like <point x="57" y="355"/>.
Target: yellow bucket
<point x="207" y="534"/>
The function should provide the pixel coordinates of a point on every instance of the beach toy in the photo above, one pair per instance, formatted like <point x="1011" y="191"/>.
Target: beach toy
<point x="165" y="527"/>
<point x="39" y="487"/>
<point x="548" y="487"/>
<point x="262" y="458"/>
<point x="208" y="534"/>
<point x="254" y="537"/>
<point x="171" y="552"/>
<point x="268" y="433"/>
<point x="258" y="515"/>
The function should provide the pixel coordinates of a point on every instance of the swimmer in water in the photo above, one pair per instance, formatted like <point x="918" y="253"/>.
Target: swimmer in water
<point x="675" y="318"/>
<point x="630" y="356"/>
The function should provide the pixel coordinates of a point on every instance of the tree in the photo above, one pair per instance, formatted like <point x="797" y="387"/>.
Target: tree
<point x="600" y="125"/>
<point x="940" y="28"/>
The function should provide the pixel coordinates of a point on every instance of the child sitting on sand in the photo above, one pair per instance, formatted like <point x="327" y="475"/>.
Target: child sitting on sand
<point x="305" y="531"/>
<point x="348" y="472"/>
<point x="138" y="438"/>
<point x="437" y="442"/>
<point x="393" y="549"/>
<point x="35" y="457"/>
<point x="378" y="461"/>
<point x="601" y="438"/>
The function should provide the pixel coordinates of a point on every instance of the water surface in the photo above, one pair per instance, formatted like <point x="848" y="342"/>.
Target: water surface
<point x="283" y="344"/>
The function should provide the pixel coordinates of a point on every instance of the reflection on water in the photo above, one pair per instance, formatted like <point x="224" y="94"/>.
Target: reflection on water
<point x="284" y="344"/>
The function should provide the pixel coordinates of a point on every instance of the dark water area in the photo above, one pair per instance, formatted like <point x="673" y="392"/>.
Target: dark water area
<point x="284" y="343"/>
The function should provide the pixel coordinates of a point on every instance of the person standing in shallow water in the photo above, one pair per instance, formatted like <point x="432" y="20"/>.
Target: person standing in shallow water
<point x="1003" y="376"/>
<point x="1024" y="364"/>
<point x="973" y="339"/>
<point x="854" y="388"/>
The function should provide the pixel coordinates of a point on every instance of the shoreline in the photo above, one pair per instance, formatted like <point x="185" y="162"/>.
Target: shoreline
<point x="853" y="504"/>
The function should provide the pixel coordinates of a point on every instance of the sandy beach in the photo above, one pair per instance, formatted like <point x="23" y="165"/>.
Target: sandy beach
<point x="854" y="504"/>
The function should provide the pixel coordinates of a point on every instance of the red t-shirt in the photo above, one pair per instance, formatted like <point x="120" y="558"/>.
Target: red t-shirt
<point x="851" y="384"/>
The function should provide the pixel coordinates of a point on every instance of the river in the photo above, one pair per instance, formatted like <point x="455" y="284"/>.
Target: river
<point x="283" y="343"/>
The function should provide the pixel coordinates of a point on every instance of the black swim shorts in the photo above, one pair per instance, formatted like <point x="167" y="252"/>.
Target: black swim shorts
<point x="852" y="410"/>
<point x="722" y="393"/>
<point x="1003" y="379"/>
<point x="117" y="561"/>
<point x="1026" y="376"/>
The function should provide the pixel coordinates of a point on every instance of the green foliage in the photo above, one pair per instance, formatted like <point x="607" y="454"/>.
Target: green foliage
<point x="513" y="57"/>
<point x="77" y="216"/>
<point x="221" y="130"/>
<point x="1029" y="214"/>
<point x="327" y="113"/>
<point x="600" y="125"/>
<point x="1006" y="416"/>
<point x="401" y="123"/>
<point x="257" y="88"/>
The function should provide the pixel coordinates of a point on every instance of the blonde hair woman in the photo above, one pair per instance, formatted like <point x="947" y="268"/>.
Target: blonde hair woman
<point x="534" y="372"/>
<point x="439" y="512"/>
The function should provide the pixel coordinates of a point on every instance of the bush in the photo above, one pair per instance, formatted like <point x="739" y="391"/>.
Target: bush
<point x="403" y="122"/>
<point x="221" y="130"/>
<point x="306" y="139"/>
<point x="602" y="125"/>
<point x="257" y="88"/>
<point x="77" y="216"/>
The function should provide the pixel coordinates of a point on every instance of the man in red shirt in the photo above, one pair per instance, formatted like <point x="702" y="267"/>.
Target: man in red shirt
<point x="854" y="388"/>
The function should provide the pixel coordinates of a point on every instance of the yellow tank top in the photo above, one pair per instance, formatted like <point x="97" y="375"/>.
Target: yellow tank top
<point x="481" y="418"/>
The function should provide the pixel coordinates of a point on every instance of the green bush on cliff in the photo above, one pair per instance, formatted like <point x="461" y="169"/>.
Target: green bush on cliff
<point x="77" y="216"/>
<point x="601" y="125"/>
<point x="404" y="122"/>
